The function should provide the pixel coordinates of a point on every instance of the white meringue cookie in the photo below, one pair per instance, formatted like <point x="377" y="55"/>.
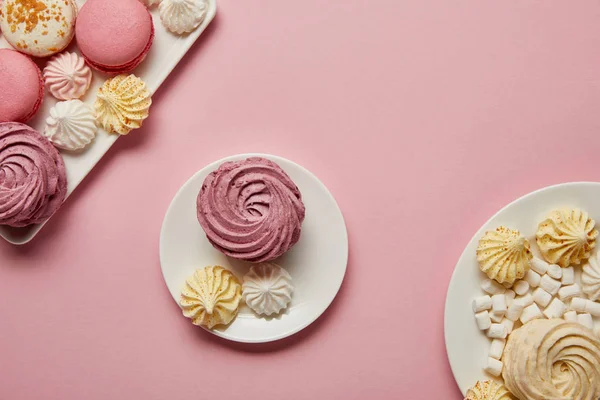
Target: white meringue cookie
<point x="67" y="77"/>
<point x="267" y="289"/>
<point x="71" y="125"/>
<point x="182" y="16"/>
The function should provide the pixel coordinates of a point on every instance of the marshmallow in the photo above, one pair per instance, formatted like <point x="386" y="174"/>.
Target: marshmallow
<point x="497" y="318"/>
<point x="482" y="303"/>
<point x="509" y="296"/>
<point x="509" y="325"/>
<point x="492" y="287"/>
<point x="585" y="320"/>
<point x="570" y="316"/>
<point x="530" y="313"/>
<point x="550" y="285"/>
<point x="593" y="308"/>
<point x="483" y="320"/>
<point x="493" y="367"/>
<point x="578" y="304"/>
<point x="567" y="292"/>
<point x="526" y="300"/>
<point x="497" y="331"/>
<point x="556" y="309"/>
<point x="514" y="311"/>
<point x="533" y="278"/>
<point x="555" y="271"/>
<point x="568" y="276"/>
<point x="521" y="287"/>
<point x="541" y="297"/>
<point x="539" y="266"/>
<point x="497" y="348"/>
<point x="498" y="304"/>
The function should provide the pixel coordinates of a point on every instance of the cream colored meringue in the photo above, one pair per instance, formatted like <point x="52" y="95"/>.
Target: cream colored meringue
<point x="504" y="255"/>
<point x="590" y="279"/>
<point x="71" y="125"/>
<point x="552" y="359"/>
<point x="211" y="297"/>
<point x="267" y="289"/>
<point x="182" y="16"/>
<point x="67" y="77"/>
<point x="488" y="390"/>
<point x="567" y="237"/>
<point x="123" y="103"/>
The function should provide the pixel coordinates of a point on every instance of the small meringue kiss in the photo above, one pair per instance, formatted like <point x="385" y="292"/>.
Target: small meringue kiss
<point x="182" y="16"/>
<point x="67" y="77"/>
<point x="71" y="125"/>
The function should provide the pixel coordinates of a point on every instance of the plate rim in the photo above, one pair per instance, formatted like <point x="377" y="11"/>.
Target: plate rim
<point x="277" y="159"/>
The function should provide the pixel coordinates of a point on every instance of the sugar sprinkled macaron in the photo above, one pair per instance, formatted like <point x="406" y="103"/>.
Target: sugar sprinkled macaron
<point x="21" y="87"/>
<point x="114" y="36"/>
<point x="39" y="28"/>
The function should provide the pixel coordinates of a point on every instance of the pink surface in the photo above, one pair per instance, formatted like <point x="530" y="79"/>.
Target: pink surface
<point x="422" y="117"/>
<point x="21" y="87"/>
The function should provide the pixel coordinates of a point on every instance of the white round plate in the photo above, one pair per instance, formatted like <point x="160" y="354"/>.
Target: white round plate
<point x="468" y="347"/>
<point x="317" y="263"/>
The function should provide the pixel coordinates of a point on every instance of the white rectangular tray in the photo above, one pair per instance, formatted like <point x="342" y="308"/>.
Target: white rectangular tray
<point x="166" y="52"/>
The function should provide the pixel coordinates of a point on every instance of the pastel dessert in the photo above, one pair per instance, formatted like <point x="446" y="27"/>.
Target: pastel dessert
<point x="67" y="77"/>
<point x="211" y="297"/>
<point x="122" y="104"/>
<point x="251" y="210"/>
<point x="504" y="255"/>
<point x="71" y="125"/>
<point x="182" y="16"/>
<point x="267" y="289"/>
<point x="488" y="390"/>
<point x="33" y="181"/>
<point x="39" y="28"/>
<point x="114" y="36"/>
<point x="590" y="279"/>
<point x="552" y="359"/>
<point x="21" y="87"/>
<point x="567" y="236"/>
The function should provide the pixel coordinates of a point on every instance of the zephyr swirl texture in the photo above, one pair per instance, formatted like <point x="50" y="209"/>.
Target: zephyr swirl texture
<point x="552" y="359"/>
<point x="251" y="210"/>
<point x="67" y="76"/>
<point x="488" y="390"/>
<point x="33" y="181"/>
<point x="182" y="16"/>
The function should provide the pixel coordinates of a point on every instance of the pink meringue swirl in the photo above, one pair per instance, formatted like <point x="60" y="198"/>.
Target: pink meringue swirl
<point x="67" y="77"/>
<point x="251" y="210"/>
<point x="33" y="181"/>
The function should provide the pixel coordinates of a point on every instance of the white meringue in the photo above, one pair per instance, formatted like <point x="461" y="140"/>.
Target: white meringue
<point x="590" y="279"/>
<point x="488" y="390"/>
<point x="67" y="77"/>
<point x="71" y="125"/>
<point x="182" y="16"/>
<point x="267" y="288"/>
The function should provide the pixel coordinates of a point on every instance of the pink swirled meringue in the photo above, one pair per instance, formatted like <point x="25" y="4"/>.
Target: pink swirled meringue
<point x="33" y="181"/>
<point x="251" y="210"/>
<point x="67" y="77"/>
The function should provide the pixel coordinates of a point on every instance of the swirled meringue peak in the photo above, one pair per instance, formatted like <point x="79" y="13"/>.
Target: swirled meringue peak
<point x="488" y="390"/>
<point x="267" y="289"/>
<point x="67" y="77"/>
<point x="182" y="16"/>
<point x="71" y="125"/>
<point x="33" y="181"/>
<point x="552" y="359"/>
<point x="251" y="210"/>
<point x="590" y="279"/>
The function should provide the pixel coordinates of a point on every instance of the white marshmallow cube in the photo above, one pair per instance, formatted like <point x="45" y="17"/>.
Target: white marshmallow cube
<point x="556" y="309"/>
<point x="550" y="285"/>
<point x="526" y="300"/>
<point x="541" y="297"/>
<point x="509" y="325"/>
<point x="498" y="304"/>
<point x="521" y="287"/>
<point x="497" y="318"/>
<point x="514" y="311"/>
<point x="530" y="313"/>
<point x="497" y="331"/>
<point x="533" y="278"/>
<point x="538" y="265"/>
<point x="585" y="320"/>
<point x="555" y="271"/>
<point x="492" y="287"/>
<point x="593" y="308"/>
<point x="578" y="304"/>
<point x="509" y="296"/>
<point x="493" y="367"/>
<point x="568" y="276"/>
<point x="570" y="316"/>
<point x="497" y="348"/>
<point x="482" y="303"/>
<point x="483" y="320"/>
<point x="567" y="292"/>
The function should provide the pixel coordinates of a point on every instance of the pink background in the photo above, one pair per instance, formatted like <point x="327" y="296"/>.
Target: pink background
<point x="423" y="118"/>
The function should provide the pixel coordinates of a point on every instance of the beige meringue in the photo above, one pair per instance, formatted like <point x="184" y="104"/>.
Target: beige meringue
<point x="488" y="390"/>
<point x="504" y="255"/>
<point x="590" y="279"/>
<point x="211" y="297"/>
<point x="123" y="103"/>
<point x="567" y="237"/>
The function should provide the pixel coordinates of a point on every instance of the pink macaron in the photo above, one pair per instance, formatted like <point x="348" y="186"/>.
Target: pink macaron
<point x="21" y="87"/>
<point x="114" y="36"/>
